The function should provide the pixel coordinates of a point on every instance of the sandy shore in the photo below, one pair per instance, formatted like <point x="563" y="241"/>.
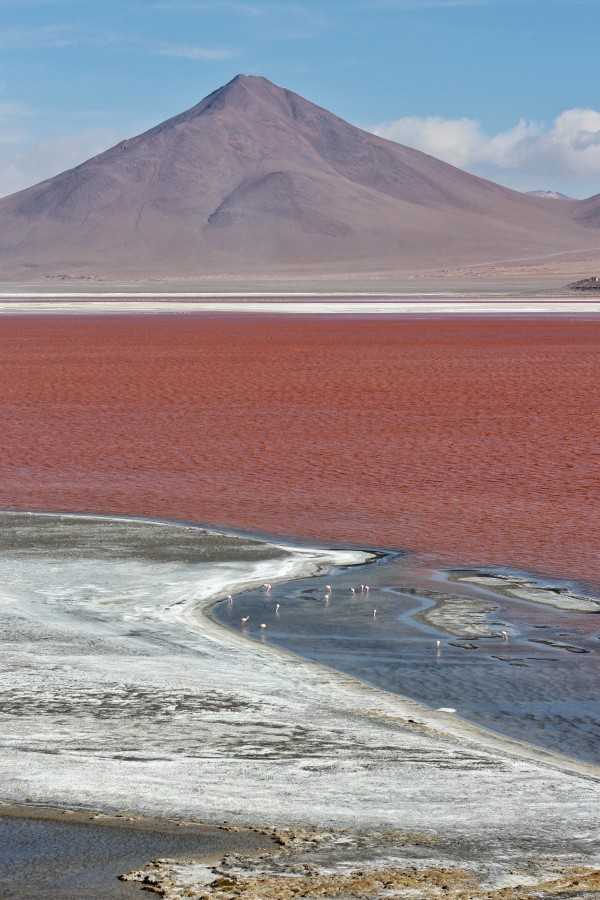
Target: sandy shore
<point x="548" y="274"/>
<point x="485" y="290"/>
<point x="521" y="588"/>
<point x="121" y="693"/>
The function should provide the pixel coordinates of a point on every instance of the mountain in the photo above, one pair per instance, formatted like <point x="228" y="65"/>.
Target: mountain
<point x="255" y="179"/>
<point x="549" y="195"/>
<point x="588" y="212"/>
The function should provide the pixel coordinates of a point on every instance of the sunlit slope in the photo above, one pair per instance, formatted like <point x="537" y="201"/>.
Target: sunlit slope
<point x="256" y="179"/>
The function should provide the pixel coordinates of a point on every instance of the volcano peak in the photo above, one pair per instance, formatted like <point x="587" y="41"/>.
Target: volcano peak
<point x="256" y="178"/>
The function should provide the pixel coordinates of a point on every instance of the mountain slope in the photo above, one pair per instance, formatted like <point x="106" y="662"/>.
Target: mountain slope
<point x="254" y="177"/>
<point x="588" y="212"/>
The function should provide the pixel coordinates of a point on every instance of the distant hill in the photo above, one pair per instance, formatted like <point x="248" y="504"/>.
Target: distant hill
<point x="586" y="284"/>
<point x="255" y="179"/>
<point x="588" y="212"/>
<point x="549" y="195"/>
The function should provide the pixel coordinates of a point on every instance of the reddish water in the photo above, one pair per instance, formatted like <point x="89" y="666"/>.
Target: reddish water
<point x="475" y="439"/>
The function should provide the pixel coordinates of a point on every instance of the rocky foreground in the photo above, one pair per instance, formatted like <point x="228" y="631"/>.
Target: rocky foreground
<point x="360" y="865"/>
<point x="120" y="693"/>
<point x="586" y="284"/>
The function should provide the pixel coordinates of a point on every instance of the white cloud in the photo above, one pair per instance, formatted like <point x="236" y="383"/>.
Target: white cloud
<point x="420" y="4"/>
<point x="278" y="20"/>
<point x="563" y="156"/>
<point x="189" y="51"/>
<point x="23" y="163"/>
<point x="41" y="36"/>
<point x="223" y="6"/>
<point x="429" y="4"/>
<point x="11" y="112"/>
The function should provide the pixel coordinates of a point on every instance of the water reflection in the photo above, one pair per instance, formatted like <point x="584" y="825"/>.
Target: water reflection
<point x="526" y="670"/>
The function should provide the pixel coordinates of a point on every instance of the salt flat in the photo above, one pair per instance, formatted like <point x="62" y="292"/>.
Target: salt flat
<point x="372" y="305"/>
<point x="120" y="691"/>
<point x="121" y="694"/>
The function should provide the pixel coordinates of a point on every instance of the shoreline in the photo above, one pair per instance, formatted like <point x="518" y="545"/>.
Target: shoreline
<point x="420" y="294"/>
<point x="324" y="557"/>
<point x="435" y="721"/>
<point x="453" y="724"/>
<point x="126" y="821"/>
<point x="415" y="306"/>
<point x="336" y="771"/>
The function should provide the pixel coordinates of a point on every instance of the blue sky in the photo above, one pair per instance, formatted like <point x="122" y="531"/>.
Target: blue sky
<point x="508" y="89"/>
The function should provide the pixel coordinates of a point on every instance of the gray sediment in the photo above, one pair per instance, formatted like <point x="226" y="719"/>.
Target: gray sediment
<point x="121" y="693"/>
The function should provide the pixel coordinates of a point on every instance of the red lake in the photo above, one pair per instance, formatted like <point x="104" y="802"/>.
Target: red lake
<point x="473" y="439"/>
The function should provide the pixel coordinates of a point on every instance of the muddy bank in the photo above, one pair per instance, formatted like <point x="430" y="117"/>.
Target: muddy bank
<point x="61" y="854"/>
<point x="356" y="865"/>
<point x="120" y="694"/>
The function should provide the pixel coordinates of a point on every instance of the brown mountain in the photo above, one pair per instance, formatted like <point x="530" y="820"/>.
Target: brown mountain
<point x="588" y="212"/>
<point x="255" y="179"/>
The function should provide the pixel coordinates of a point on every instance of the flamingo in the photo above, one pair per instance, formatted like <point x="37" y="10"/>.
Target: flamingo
<point x="245" y="619"/>
<point x="366" y="588"/>
<point x="352" y="591"/>
<point x="262" y="626"/>
<point x="229" y="598"/>
<point x="504" y="635"/>
<point x="374" y="613"/>
<point x="266" y="587"/>
<point x="277" y="608"/>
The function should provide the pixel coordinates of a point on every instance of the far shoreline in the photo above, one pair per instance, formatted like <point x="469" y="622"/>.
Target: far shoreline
<point x="489" y="291"/>
<point x="559" y="308"/>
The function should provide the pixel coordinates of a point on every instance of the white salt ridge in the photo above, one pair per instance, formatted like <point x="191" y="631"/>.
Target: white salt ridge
<point x="373" y="305"/>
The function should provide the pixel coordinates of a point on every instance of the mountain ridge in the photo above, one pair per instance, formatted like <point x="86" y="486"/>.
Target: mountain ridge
<point x="255" y="176"/>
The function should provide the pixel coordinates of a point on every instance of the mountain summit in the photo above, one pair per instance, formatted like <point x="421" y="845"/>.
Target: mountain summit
<point x="255" y="179"/>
